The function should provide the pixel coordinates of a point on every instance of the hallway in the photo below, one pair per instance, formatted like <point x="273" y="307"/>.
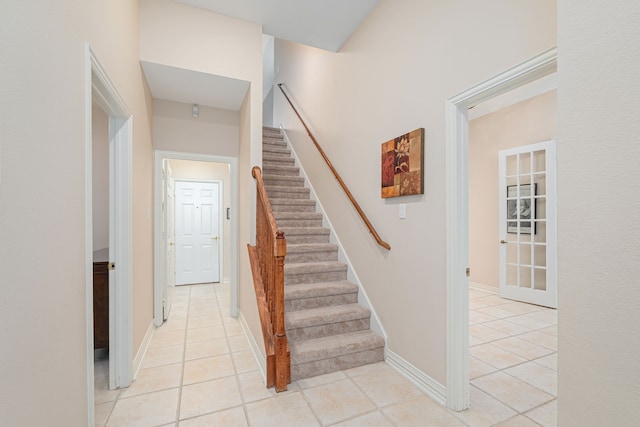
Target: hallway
<point x="199" y="371"/>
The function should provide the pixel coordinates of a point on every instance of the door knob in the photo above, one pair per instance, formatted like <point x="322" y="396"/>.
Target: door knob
<point x="171" y="244"/>
<point x="502" y="242"/>
<point x="214" y="238"/>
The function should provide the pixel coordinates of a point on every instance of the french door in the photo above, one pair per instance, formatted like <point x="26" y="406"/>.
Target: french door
<point x="527" y="210"/>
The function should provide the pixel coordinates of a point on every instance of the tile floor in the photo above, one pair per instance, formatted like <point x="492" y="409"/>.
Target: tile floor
<point x="199" y="371"/>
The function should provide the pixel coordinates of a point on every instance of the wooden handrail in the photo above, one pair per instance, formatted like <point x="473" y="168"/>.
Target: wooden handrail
<point x="267" y="268"/>
<point x="335" y="173"/>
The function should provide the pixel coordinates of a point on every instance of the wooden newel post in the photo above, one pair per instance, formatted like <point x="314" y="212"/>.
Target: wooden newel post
<point x="283" y="362"/>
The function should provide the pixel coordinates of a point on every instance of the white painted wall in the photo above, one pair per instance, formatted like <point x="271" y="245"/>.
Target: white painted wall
<point x="393" y="76"/>
<point x="196" y="170"/>
<point x="526" y="122"/>
<point x="42" y="204"/>
<point x="598" y="236"/>
<point x="100" y="177"/>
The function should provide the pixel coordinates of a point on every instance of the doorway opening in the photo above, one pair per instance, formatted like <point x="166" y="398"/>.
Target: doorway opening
<point x="171" y="168"/>
<point x="102" y="94"/>
<point x="457" y="207"/>
<point x="512" y="258"/>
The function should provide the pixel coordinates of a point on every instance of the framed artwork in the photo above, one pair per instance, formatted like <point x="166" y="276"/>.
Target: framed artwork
<point x="402" y="165"/>
<point x="525" y="210"/>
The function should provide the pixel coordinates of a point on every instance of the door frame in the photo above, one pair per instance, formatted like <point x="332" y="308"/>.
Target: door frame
<point x="99" y="88"/>
<point x="159" y="242"/>
<point x="457" y="213"/>
<point x="220" y="185"/>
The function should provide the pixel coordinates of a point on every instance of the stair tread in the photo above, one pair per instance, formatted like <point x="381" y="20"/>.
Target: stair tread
<point x="280" y="167"/>
<point x="332" y="346"/>
<point x="267" y="157"/>
<point x="295" y="231"/>
<point x="325" y="315"/>
<point x="281" y="201"/>
<point x="310" y="247"/>
<point x="319" y="289"/>
<point x="297" y="215"/>
<point x="285" y="188"/>
<point x="313" y="267"/>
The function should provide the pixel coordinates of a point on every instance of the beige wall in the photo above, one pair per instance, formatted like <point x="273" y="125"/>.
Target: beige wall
<point x="187" y="169"/>
<point x="526" y="122"/>
<point x="42" y="214"/>
<point x="392" y="76"/>
<point x="215" y="131"/>
<point x="100" y="177"/>
<point x="598" y="237"/>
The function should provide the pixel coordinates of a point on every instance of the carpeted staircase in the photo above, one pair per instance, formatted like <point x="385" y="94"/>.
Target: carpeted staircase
<point x="326" y="328"/>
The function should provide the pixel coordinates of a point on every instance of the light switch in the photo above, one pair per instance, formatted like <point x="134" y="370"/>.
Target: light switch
<point x="402" y="210"/>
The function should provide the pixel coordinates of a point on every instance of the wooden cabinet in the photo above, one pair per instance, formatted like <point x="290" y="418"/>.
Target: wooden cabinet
<point x="101" y="299"/>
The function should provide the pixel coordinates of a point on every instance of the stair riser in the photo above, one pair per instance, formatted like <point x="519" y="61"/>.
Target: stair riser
<point x="317" y="302"/>
<point x="311" y="256"/>
<point x="281" y="171"/>
<point x="274" y="142"/>
<point x="281" y="181"/>
<point x="271" y="162"/>
<point x="319" y="331"/>
<point x="293" y="208"/>
<point x="299" y="223"/>
<point x="348" y="361"/>
<point x="326" y="276"/>
<point x="276" y="150"/>
<point x="307" y="238"/>
<point x="288" y="194"/>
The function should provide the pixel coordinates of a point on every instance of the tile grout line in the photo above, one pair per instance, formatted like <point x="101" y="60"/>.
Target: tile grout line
<point x="184" y="354"/>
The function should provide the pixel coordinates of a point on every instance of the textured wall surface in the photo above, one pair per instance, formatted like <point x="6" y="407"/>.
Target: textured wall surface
<point x="598" y="235"/>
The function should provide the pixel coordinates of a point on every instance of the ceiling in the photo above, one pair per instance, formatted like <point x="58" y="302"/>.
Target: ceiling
<point x="325" y="24"/>
<point x="192" y="87"/>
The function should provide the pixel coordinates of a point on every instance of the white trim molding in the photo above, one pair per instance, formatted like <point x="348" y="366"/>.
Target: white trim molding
<point x="457" y="213"/>
<point x="433" y="388"/>
<point x="99" y="89"/>
<point x="160" y="252"/>
<point x="484" y="288"/>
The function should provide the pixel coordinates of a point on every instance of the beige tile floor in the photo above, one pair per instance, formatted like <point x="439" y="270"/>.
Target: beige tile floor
<point x="199" y="371"/>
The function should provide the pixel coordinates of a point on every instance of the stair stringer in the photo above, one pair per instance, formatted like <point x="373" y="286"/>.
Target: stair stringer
<point x="363" y="299"/>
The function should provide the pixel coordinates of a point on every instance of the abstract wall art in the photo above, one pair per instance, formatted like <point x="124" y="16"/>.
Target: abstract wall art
<point x="402" y="165"/>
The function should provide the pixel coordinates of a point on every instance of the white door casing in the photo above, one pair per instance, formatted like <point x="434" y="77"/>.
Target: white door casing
<point x="160" y="261"/>
<point x="99" y="88"/>
<point x="527" y="227"/>
<point x="457" y="213"/>
<point x="197" y="232"/>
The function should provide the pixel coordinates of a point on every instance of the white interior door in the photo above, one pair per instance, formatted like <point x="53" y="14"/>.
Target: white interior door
<point x="197" y="232"/>
<point x="168" y="230"/>
<point x="171" y="233"/>
<point x="527" y="229"/>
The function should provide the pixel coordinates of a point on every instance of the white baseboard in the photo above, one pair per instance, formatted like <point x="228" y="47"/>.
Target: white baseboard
<point x="255" y="348"/>
<point x="484" y="288"/>
<point x="433" y="388"/>
<point x="137" y="361"/>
